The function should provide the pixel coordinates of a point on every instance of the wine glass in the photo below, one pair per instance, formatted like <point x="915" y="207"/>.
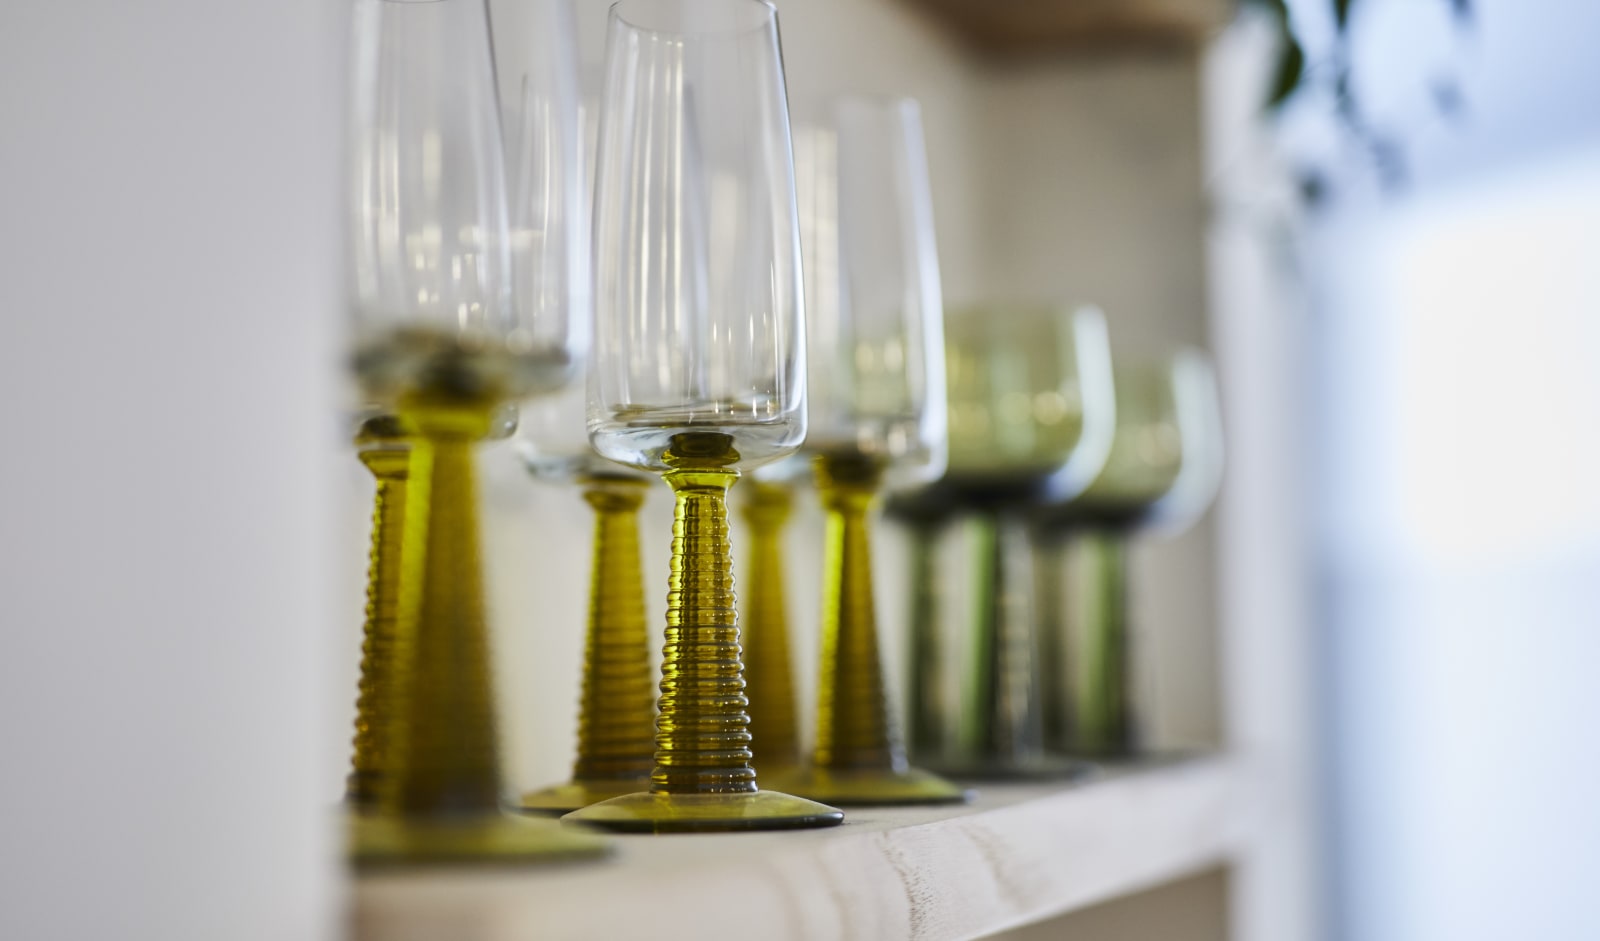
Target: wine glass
<point x="441" y="344"/>
<point x="1163" y="470"/>
<point x="1031" y="415"/>
<point x="551" y="159"/>
<point x="699" y="360"/>
<point x="876" y="410"/>
<point x="768" y="497"/>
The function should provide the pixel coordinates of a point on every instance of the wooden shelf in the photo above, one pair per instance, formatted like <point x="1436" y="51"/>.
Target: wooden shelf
<point x="1019" y="854"/>
<point x="1033" y="26"/>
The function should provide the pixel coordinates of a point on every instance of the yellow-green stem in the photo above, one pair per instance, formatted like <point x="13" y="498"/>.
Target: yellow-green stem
<point x="702" y="728"/>
<point x="617" y="709"/>
<point x="854" y="729"/>
<point x="442" y="744"/>
<point x="388" y="458"/>
<point x="774" y="726"/>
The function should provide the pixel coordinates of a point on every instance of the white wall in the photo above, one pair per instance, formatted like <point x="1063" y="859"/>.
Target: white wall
<point x="1456" y="339"/>
<point x="169" y="266"/>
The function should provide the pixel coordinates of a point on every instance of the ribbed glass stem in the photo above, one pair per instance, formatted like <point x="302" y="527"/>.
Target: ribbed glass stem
<point x="443" y="744"/>
<point x="1104" y="714"/>
<point x="616" y="716"/>
<point x="1004" y="715"/>
<point x="930" y="718"/>
<point x="388" y="461"/>
<point x="1055" y="650"/>
<point x="702" y="727"/>
<point x="854" y="727"/>
<point x="774" y="725"/>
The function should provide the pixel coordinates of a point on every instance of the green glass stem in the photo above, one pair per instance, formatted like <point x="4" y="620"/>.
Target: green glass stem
<point x="385" y="452"/>
<point x="617" y="716"/>
<point x="440" y="798"/>
<point x="616" y="713"/>
<point x="1057" y="665"/>
<point x="1003" y="718"/>
<point x="859" y="757"/>
<point x="1104" y="717"/>
<point x="445" y="750"/>
<point x="774" y="723"/>
<point x="931" y="720"/>
<point x="703" y="779"/>
<point x="854" y="729"/>
<point x="702" y="731"/>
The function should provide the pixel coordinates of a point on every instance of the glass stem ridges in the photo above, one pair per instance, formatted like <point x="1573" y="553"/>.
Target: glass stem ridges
<point x="858" y="757"/>
<point x="383" y="448"/>
<point x="440" y="800"/>
<point x="703" y="779"/>
<point x="774" y="724"/>
<point x="854" y="729"/>
<point x="1004" y="720"/>
<point x="616" y="715"/>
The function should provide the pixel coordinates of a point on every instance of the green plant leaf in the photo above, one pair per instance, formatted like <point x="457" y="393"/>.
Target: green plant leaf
<point x="1291" y="68"/>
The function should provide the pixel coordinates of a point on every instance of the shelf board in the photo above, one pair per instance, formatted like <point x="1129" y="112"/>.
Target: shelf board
<point x="1034" y="26"/>
<point x="1018" y="854"/>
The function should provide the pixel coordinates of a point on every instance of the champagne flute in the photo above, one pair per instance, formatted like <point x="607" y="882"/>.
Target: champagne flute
<point x="441" y="344"/>
<point x="699" y="361"/>
<point x="877" y="410"/>
<point x="768" y="498"/>
<point x="1163" y="470"/>
<point x="550" y="162"/>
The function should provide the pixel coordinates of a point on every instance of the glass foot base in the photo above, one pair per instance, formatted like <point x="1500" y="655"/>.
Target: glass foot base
<point x="573" y="795"/>
<point x="876" y="788"/>
<point x="487" y="841"/>
<point x="647" y="812"/>
<point x="1135" y="756"/>
<point x="1032" y="768"/>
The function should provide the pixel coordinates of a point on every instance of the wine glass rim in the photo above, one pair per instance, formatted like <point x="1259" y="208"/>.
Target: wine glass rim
<point x="715" y="17"/>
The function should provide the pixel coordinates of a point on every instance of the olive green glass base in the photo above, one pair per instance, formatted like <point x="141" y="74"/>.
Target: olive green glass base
<point x="1031" y="768"/>
<point x="491" y="840"/>
<point x="573" y="795"/>
<point x="648" y="812"/>
<point x="875" y="787"/>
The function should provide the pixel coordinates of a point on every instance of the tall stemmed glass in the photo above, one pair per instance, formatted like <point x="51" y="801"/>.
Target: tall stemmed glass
<point x="550" y="187"/>
<point x="440" y="343"/>
<point x="699" y="364"/>
<point x="877" y="408"/>
<point x="768" y="498"/>
<point x="1163" y="471"/>
<point x="1031" y="417"/>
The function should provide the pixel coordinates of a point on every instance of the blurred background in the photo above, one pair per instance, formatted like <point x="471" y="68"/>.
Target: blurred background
<point x="1381" y="216"/>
